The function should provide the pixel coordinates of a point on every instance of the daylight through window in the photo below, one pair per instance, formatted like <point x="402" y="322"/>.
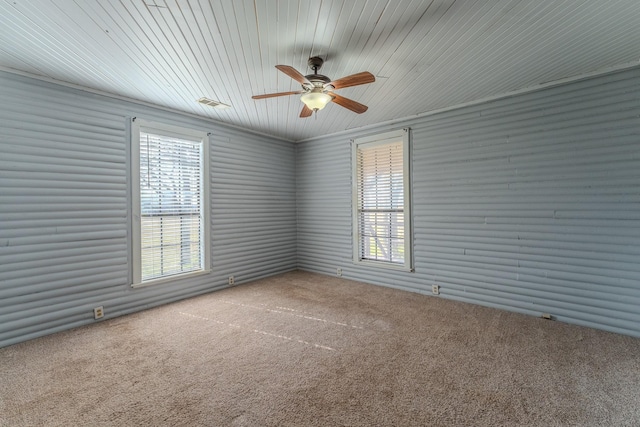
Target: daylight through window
<point x="381" y="200"/>
<point x="171" y="226"/>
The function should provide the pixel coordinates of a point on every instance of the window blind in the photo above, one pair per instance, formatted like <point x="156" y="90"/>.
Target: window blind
<point x="171" y="205"/>
<point x="380" y="199"/>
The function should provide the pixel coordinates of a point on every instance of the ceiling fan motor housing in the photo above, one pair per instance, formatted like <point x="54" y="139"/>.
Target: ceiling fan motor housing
<point x="317" y="80"/>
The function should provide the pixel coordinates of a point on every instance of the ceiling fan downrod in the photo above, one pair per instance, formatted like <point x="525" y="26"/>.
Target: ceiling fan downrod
<point x="315" y="63"/>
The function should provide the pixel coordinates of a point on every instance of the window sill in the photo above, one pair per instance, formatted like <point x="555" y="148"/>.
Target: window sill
<point x="384" y="265"/>
<point x="167" y="279"/>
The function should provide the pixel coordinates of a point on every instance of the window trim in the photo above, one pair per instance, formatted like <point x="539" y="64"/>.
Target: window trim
<point x="140" y="125"/>
<point x="373" y="140"/>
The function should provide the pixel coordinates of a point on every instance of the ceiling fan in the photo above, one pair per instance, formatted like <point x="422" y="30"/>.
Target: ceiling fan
<point x="317" y="90"/>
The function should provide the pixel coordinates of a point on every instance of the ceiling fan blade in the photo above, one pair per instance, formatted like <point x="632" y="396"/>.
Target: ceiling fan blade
<point x="349" y="104"/>
<point x="306" y="111"/>
<point x="293" y="73"/>
<point x="272" y="95"/>
<point x="353" y="80"/>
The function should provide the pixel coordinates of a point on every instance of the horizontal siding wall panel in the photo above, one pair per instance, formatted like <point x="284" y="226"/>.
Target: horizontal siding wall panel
<point x="529" y="203"/>
<point x="253" y="206"/>
<point x="64" y="208"/>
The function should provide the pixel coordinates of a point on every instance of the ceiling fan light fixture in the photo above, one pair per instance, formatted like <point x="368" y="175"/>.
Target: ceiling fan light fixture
<point x="316" y="100"/>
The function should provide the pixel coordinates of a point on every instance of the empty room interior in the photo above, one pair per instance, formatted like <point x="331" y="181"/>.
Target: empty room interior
<point x="319" y="213"/>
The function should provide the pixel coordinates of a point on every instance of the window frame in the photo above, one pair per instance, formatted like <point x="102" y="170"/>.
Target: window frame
<point x="140" y="125"/>
<point x="382" y="139"/>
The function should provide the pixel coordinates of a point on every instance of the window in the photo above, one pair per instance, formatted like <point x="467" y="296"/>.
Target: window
<point x="381" y="204"/>
<point x="170" y="202"/>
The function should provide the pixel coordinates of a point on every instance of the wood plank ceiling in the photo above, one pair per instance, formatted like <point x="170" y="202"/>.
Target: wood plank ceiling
<point x="426" y="55"/>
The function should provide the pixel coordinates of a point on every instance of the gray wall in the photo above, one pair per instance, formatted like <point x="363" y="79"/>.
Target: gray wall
<point x="529" y="204"/>
<point x="64" y="217"/>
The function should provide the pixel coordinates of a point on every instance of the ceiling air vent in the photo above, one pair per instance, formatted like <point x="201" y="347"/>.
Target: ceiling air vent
<point x="212" y="103"/>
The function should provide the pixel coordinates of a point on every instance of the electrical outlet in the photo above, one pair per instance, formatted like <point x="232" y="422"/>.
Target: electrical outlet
<point x="98" y="312"/>
<point x="339" y="271"/>
<point x="435" y="289"/>
<point x="232" y="281"/>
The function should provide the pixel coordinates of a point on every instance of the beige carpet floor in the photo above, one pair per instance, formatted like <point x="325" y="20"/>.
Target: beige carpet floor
<point x="303" y="349"/>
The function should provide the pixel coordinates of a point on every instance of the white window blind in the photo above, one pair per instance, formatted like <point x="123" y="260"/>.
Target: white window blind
<point x="170" y="202"/>
<point x="170" y="205"/>
<point x="381" y="201"/>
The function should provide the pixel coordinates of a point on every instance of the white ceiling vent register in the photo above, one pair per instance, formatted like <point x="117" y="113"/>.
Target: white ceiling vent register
<point x="214" y="104"/>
